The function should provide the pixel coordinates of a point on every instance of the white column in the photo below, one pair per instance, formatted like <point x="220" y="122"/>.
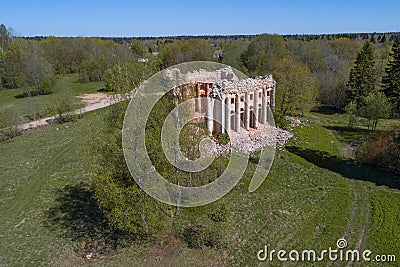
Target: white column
<point x="228" y="115"/>
<point x="222" y="111"/>
<point x="209" y="114"/>
<point x="264" y="107"/>
<point x="198" y="100"/>
<point x="255" y="109"/>
<point x="273" y="99"/>
<point x="237" y="113"/>
<point x="219" y="114"/>
<point x="247" y="111"/>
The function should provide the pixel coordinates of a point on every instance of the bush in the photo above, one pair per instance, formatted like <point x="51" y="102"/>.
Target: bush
<point x="192" y="235"/>
<point x="221" y="214"/>
<point x="382" y="150"/>
<point x="281" y="121"/>
<point x="351" y="112"/>
<point x="63" y="106"/>
<point x="46" y="89"/>
<point x="214" y="235"/>
<point x="66" y="118"/>
<point x="223" y="139"/>
<point x="9" y="121"/>
<point x="213" y="231"/>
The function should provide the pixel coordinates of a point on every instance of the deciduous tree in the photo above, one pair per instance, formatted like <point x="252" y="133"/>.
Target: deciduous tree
<point x="374" y="106"/>
<point x="271" y="48"/>
<point x="232" y="56"/>
<point x="185" y="51"/>
<point x="5" y="37"/>
<point x="296" y="87"/>
<point x="38" y="73"/>
<point x="14" y="69"/>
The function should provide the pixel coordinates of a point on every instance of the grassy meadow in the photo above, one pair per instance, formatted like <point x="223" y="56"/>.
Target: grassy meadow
<point x="40" y="104"/>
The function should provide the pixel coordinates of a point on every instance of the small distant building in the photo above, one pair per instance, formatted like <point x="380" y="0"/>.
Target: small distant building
<point x="245" y="102"/>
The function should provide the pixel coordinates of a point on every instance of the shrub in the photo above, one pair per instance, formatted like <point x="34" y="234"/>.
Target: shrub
<point x="280" y="121"/>
<point x="223" y="139"/>
<point x="9" y="121"/>
<point x="63" y="106"/>
<point x="221" y="214"/>
<point x="212" y="231"/>
<point x="351" y="112"/>
<point x="215" y="235"/>
<point x="382" y="150"/>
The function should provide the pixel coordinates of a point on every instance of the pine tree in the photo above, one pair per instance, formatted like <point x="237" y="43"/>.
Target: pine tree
<point x="391" y="81"/>
<point x="362" y="75"/>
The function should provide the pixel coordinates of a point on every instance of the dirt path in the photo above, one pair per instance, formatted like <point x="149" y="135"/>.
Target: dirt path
<point x="91" y="102"/>
<point x="361" y="201"/>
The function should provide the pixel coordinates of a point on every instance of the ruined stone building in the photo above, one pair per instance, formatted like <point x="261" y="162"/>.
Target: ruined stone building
<point x="245" y="101"/>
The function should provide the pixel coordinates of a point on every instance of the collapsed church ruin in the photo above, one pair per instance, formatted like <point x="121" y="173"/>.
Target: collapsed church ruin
<point x="228" y="103"/>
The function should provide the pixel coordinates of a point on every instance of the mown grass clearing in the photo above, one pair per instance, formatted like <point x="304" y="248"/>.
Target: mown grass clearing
<point x="39" y="104"/>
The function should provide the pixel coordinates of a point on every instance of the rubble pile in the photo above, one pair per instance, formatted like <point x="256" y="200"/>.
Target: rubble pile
<point x="225" y="80"/>
<point x="295" y="122"/>
<point x="253" y="140"/>
<point x="178" y="78"/>
<point x="246" y="85"/>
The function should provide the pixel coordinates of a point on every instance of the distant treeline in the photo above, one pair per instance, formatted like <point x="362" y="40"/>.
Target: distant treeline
<point x="374" y="37"/>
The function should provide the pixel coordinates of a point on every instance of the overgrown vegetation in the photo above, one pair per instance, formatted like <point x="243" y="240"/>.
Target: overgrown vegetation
<point x="63" y="107"/>
<point x="281" y="121"/>
<point x="382" y="150"/>
<point x="223" y="139"/>
<point x="9" y="121"/>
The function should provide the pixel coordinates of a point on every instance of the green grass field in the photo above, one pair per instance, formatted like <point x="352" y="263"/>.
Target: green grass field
<point x="311" y="198"/>
<point x="39" y="104"/>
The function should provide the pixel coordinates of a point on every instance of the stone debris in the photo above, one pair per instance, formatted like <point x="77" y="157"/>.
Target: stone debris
<point x="254" y="140"/>
<point x="245" y="85"/>
<point x="177" y="77"/>
<point x="296" y="122"/>
<point x="225" y="80"/>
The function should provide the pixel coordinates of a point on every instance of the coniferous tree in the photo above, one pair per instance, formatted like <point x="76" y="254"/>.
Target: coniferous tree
<point x="362" y="75"/>
<point x="391" y="81"/>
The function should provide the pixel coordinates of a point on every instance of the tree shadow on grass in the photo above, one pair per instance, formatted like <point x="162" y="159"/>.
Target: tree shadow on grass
<point x="348" y="133"/>
<point x="327" y="110"/>
<point x="348" y="168"/>
<point x="76" y="216"/>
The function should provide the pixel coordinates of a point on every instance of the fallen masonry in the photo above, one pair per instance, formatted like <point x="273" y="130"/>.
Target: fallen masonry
<point x="254" y="140"/>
